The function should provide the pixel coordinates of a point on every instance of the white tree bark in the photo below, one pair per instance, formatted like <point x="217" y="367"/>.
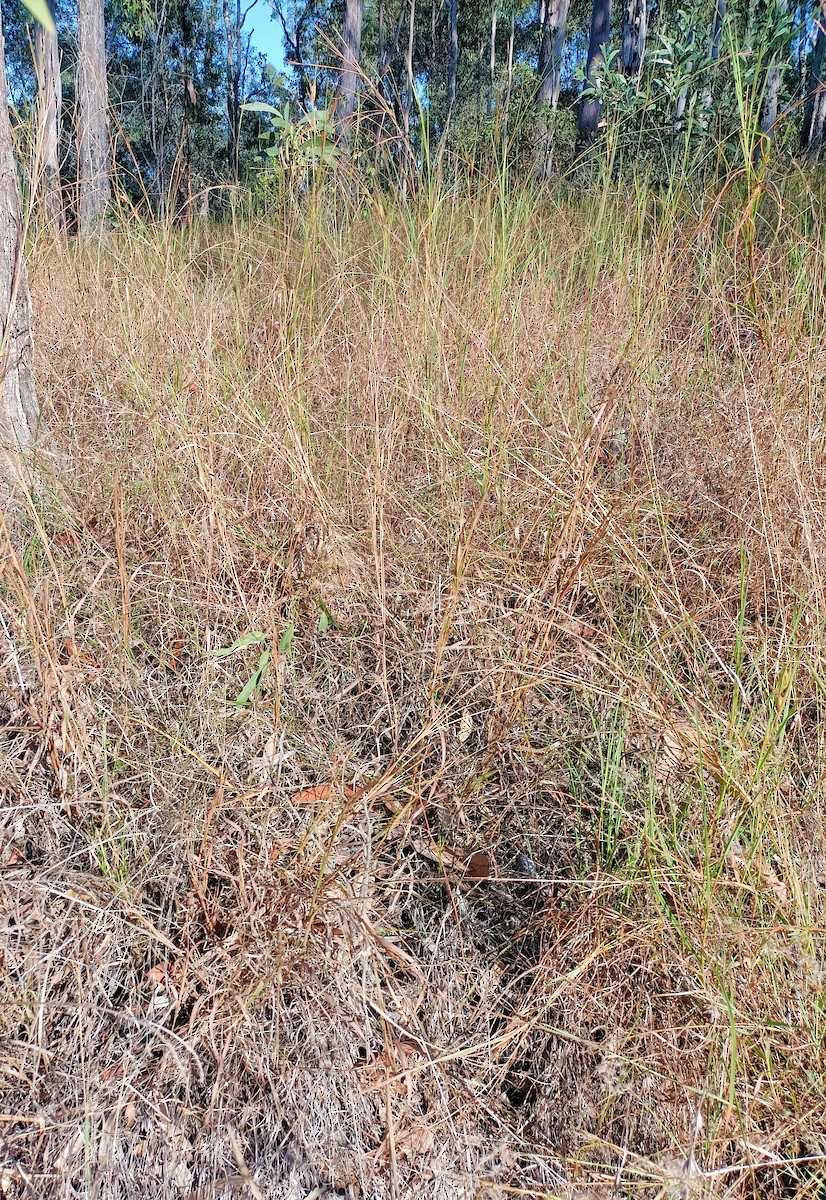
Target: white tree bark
<point x="552" y="43"/>
<point x="351" y="54"/>
<point x="814" y="118"/>
<point x="408" y="68"/>
<point x="634" y="34"/>
<point x="93" y="149"/>
<point x="506" y="107"/>
<point x="47" y="144"/>
<point x="492" y="58"/>
<point x="453" y="57"/>
<point x="774" y="77"/>
<point x="589" y="109"/>
<point x="18" y="398"/>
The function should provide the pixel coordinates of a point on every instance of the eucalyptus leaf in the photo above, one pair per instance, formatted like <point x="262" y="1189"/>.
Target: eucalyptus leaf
<point x="253" y="105"/>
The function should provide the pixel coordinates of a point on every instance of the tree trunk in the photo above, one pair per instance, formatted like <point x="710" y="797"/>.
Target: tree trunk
<point x="453" y="59"/>
<point x="18" y="399"/>
<point x="815" y="113"/>
<point x="351" y="54"/>
<point x="551" y="45"/>
<point x="157" y="106"/>
<point x="801" y="66"/>
<point x="480" y="55"/>
<point x="552" y="17"/>
<point x="492" y="59"/>
<point x="634" y="33"/>
<point x="408" y="66"/>
<point x="717" y="30"/>
<point x="509" y="86"/>
<point x="47" y="145"/>
<point x="237" y="59"/>
<point x="189" y="103"/>
<point x="233" y="34"/>
<point x="388" y="89"/>
<point x="774" y="77"/>
<point x="293" y="44"/>
<point x="589" y="105"/>
<point x="434" y="5"/>
<point x="93" y="149"/>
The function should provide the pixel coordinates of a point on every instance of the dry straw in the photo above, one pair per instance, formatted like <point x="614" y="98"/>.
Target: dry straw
<point x="493" y="864"/>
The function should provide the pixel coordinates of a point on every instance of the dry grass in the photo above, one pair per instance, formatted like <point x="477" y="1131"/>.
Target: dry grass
<point x="524" y="501"/>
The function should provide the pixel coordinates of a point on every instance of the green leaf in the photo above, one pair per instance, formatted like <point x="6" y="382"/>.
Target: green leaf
<point x="248" y="639"/>
<point x="41" y="12"/>
<point x="286" y="639"/>
<point x="255" y="680"/>
<point x="326" y="620"/>
<point x="253" y="106"/>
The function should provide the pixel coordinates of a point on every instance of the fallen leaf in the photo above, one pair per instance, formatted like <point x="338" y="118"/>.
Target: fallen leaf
<point x="72" y="650"/>
<point x="324" y="791"/>
<point x="409" y="1141"/>
<point x="157" y="974"/>
<point x="478" y="865"/>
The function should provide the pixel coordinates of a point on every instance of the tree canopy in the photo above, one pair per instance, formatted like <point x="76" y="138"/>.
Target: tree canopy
<point x="195" y="108"/>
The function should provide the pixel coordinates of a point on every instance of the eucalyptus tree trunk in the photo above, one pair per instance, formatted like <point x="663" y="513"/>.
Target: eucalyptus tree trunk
<point x="552" y="17"/>
<point x="156" y="88"/>
<point x="93" y="150"/>
<point x="435" y="5"/>
<point x="589" y="105"/>
<point x="238" y="52"/>
<point x="492" y="60"/>
<point x="232" y="30"/>
<point x="408" y="68"/>
<point x="509" y="85"/>
<point x="717" y="30"/>
<point x="552" y="43"/>
<point x="814" y="116"/>
<point x="47" y="138"/>
<point x="774" y="77"/>
<point x="351" y="54"/>
<point x="294" y="36"/>
<point x="453" y="59"/>
<point x="634" y="34"/>
<point x="390" y="94"/>
<point x="18" y="398"/>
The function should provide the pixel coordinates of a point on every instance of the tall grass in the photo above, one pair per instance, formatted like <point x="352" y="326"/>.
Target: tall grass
<point x="507" y="875"/>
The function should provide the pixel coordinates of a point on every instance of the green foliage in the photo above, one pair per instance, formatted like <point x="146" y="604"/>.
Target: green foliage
<point x="255" y="680"/>
<point x="300" y="146"/>
<point x="692" y="108"/>
<point x="695" y="107"/>
<point x="138" y="17"/>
